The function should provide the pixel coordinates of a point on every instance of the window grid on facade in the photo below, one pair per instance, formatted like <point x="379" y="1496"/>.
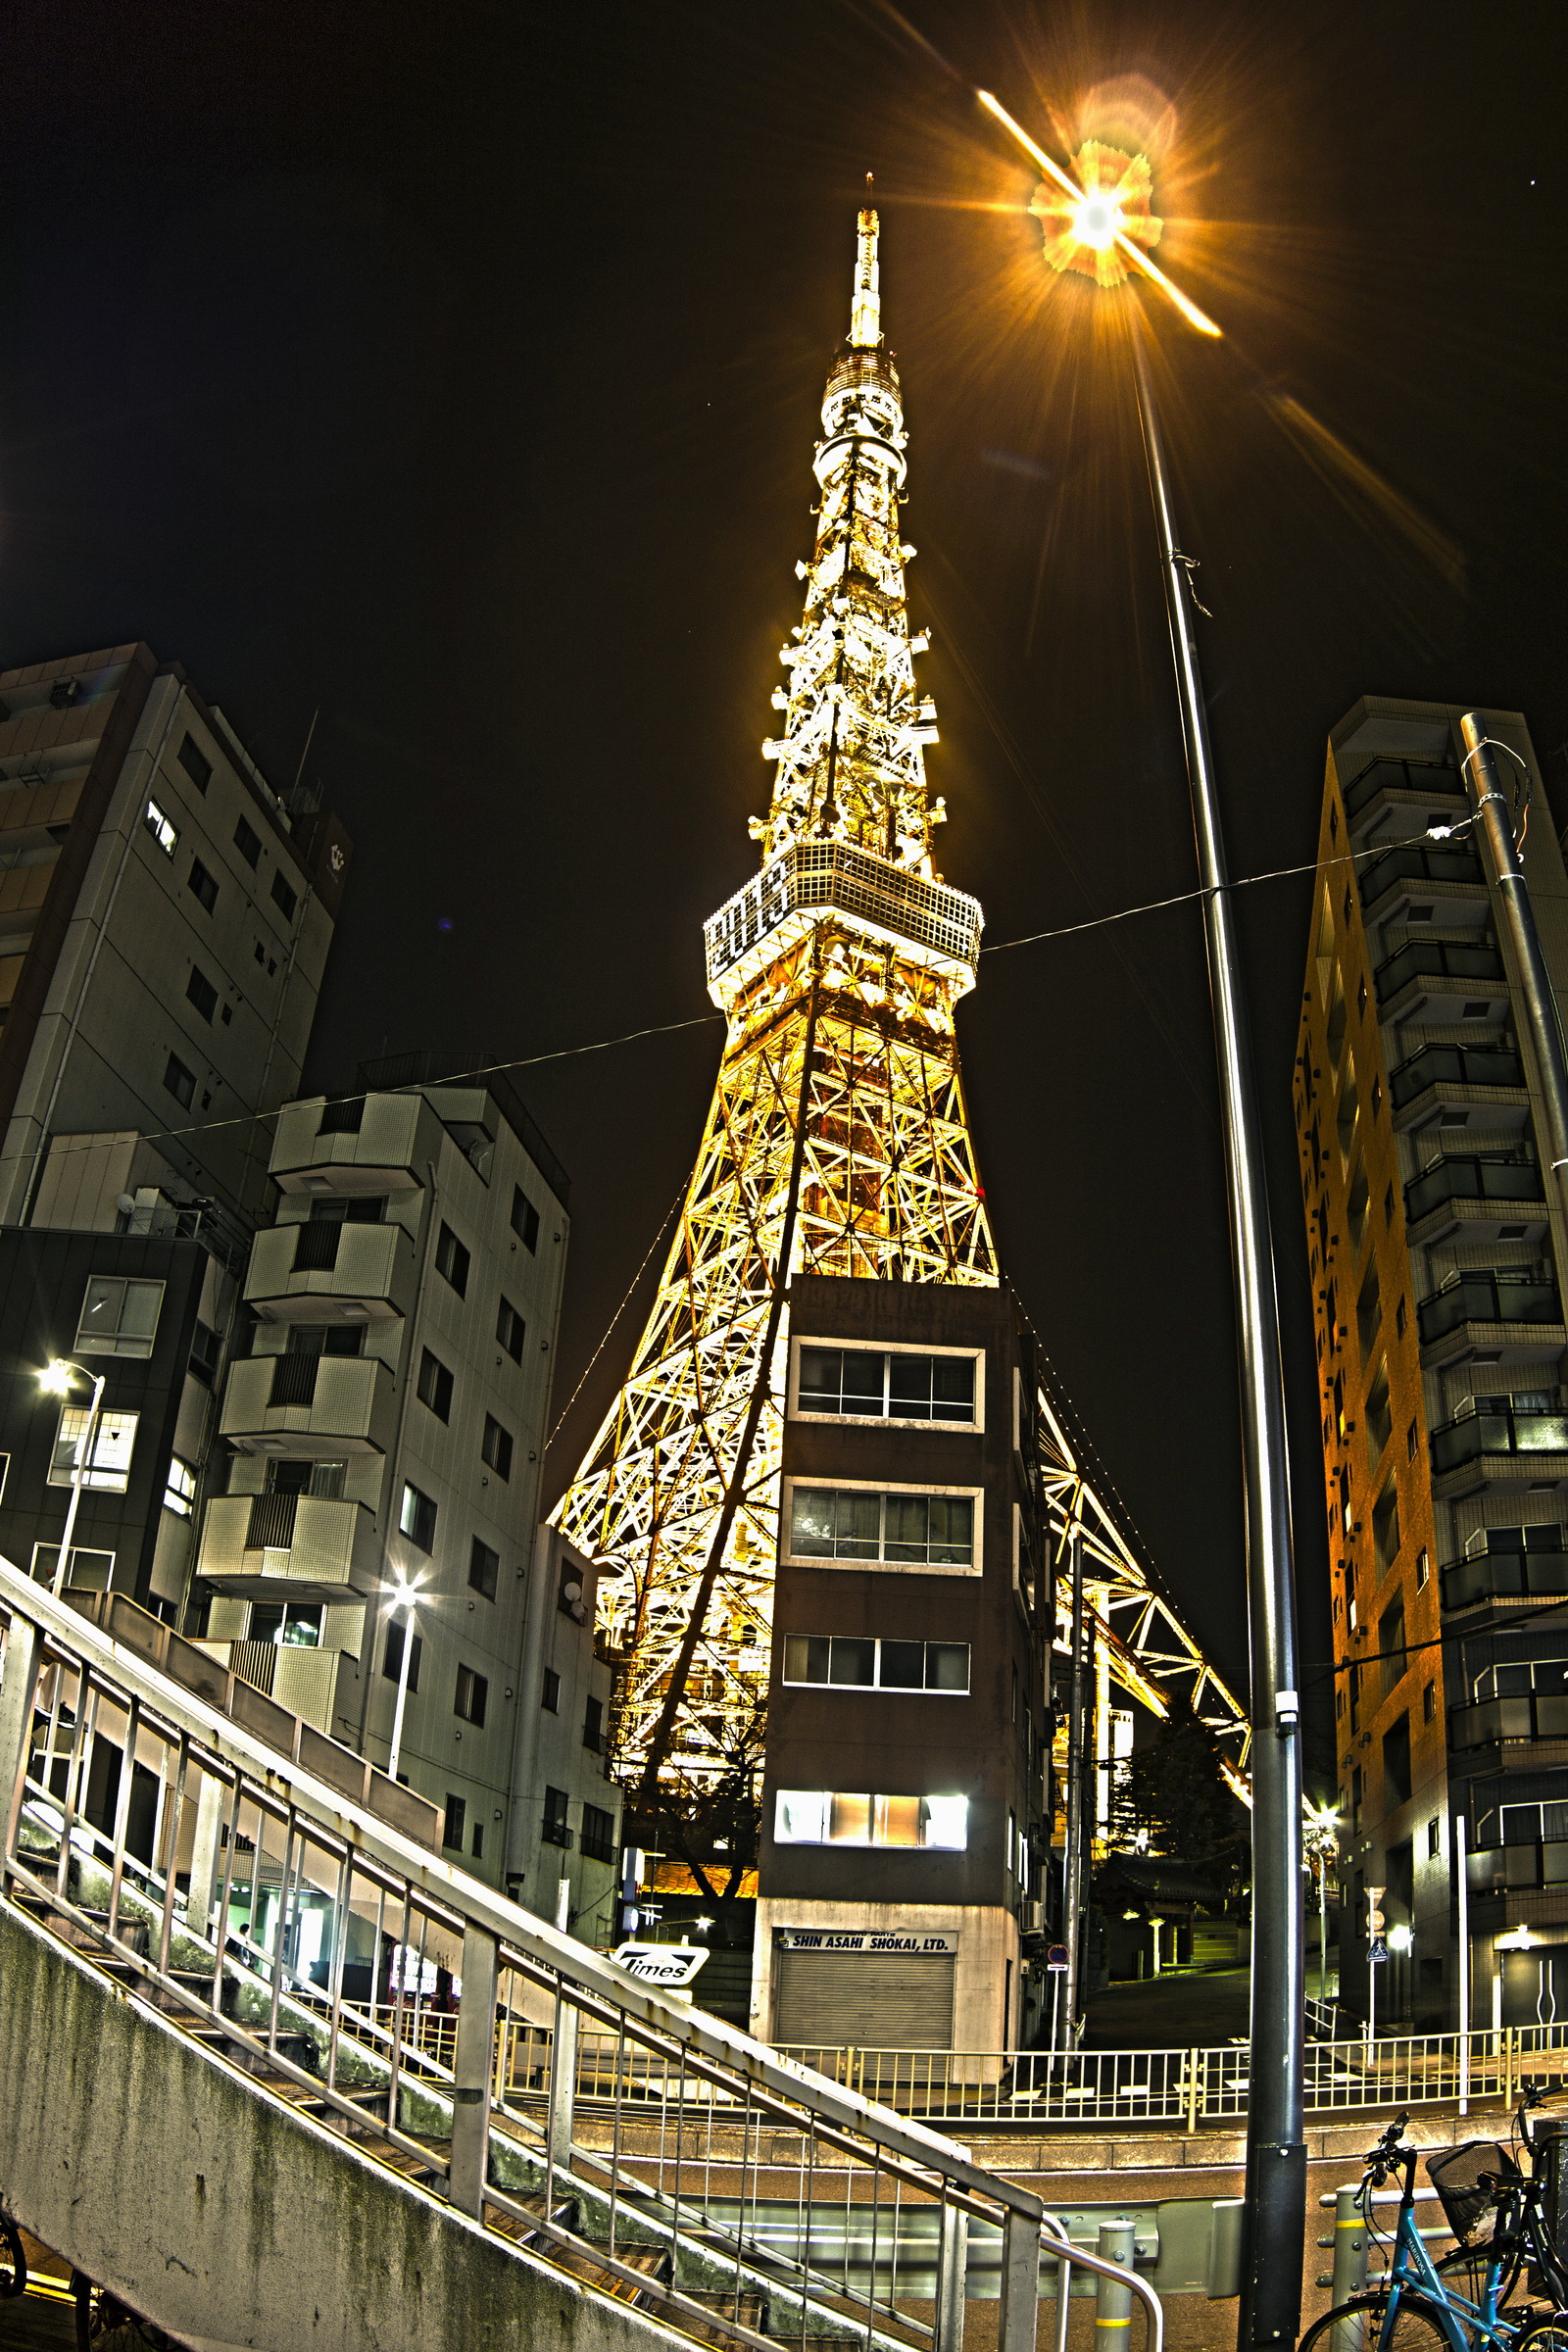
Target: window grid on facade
<point x="416" y="1518"/>
<point x="886" y="1384"/>
<point x="456" y="1816"/>
<point x="511" y="1330"/>
<point x="472" y="1696"/>
<point x="879" y="1664"/>
<point x="392" y="1654"/>
<point x="434" y="1386"/>
<point x="119" y="1316"/>
<point x="194" y="761"/>
<point x="179" y="1081"/>
<point x="114" y="1444"/>
<point x="831" y="1817"/>
<point x="452" y="1260"/>
<point x="894" y="1529"/>
<point x="495" y="1446"/>
<point x="162" y="831"/>
<point x="202" y="885"/>
<point x="598" y="1834"/>
<point x="484" y="1567"/>
<point x="524" y="1218"/>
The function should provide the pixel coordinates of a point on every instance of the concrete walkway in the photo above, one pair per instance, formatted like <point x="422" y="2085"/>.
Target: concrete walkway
<point x="1170" y="2012"/>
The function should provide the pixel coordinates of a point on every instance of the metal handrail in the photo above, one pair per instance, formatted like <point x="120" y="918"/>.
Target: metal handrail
<point x="691" y="2108"/>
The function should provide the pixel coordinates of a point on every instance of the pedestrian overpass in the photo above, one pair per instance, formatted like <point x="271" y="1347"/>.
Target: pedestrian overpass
<point x="233" y="2100"/>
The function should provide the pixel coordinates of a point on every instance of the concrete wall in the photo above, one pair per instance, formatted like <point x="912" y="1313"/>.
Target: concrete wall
<point x="223" y="2217"/>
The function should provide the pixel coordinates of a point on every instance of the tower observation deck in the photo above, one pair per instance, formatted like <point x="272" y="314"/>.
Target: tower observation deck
<point x="837" y="1141"/>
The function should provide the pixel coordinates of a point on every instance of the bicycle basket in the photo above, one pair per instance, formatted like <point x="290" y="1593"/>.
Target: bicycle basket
<point x="1457" y="2174"/>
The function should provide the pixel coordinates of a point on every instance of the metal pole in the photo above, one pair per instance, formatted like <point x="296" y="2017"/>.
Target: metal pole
<point x="1462" y="1871"/>
<point x="1495" y="820"/>
<point x="1072" y="1849"/>
<point x="1323" y="1930"/>
<point x="395" y="1751"/>
<point x="1114" y="2302"/>
<point x="1276" y="2151"/>
<point x="84" y="1447"/>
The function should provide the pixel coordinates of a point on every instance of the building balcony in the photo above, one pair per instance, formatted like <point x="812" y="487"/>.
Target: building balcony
<point x="308" y="1407"/>
<point x="1398" y="796"/>
<point x="1487" y="1578"/>
<point x="1489" y="1196"/>
<point x="1532" y="1715"/>
<point x="1490" y="1441"/>
<point x="1416" y="885"/>
<point x="1483" y="1081"/>
<point x="368" y="1273"/>
<point x="1441" y="981"/>
<point x="290" y="1547"/>
<point x="320" y="1685"/>
<point x="1497" y="1869"/>
<point x="363" y="1147"/>
<point x="1491" y="1318"/>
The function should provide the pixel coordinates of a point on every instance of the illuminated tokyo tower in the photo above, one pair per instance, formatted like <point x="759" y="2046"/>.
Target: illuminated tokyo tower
<point x="837" y="1144"/>
<point x="837" y="1141"/>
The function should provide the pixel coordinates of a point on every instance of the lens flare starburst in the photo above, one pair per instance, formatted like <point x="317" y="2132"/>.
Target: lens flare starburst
<point x="1085" y="228"/>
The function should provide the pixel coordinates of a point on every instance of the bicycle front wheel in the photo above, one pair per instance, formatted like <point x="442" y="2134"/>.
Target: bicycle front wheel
<point x="1548" y="2333"/>
<point x="1358" y="2325"/>
<point x="1465" y="2271"/>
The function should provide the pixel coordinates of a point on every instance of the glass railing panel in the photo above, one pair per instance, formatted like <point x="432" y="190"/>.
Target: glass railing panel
<point x="1453" y="1066"/>
<point x="1462" y="1441"/>
<point x="1552" y="1715"/>
<point x="1540" y="1433"/>
<point x="1510" y="1180"/>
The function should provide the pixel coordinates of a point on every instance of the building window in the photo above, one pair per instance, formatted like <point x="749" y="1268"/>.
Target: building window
<point x="598" y="1834"/>
<point x="593" y="1727"/>
<point x="113" y="1442"/>
<point x="484" y="1566"/>
<point x="1409" y="1443"/>
<point x="1396" y="1764"/>
<point x="179" y="1489"/>
<point x="205" y="1353"/>
<point x="119" y="1316"/>
<point x="823" y="1817"/>
<point x="416" y="1519"/>
<point x="1401" y="1316"/>
<point x="342" y="1118"/>
<point x="435" y="1386"/>
<point x="495" y="1446"/>
<point x="194" y="761"/>
<point x="162" y="831"/>
<point x="524" y="1218"/>
<point x="392" y="1654"/>
<point x="865" y="1384"/>
<point x="550" y="1693"/>
<point x="1386" y="1527"/>
<point x="1423" y="1568"/>
<point x="879" y="1665"/>
<point x="247" y="841"/>
<point x="472" y="1696"/>
<point x="201" y="992"/>
<point x="1434" y="1837"/>
<point x="286" y="1624"/>
<point x="452" y="1260"/>
<point x="477" y="1846"/>
<point x="555" y="1831"/>
<point x="456" y="1822"/>
<point x="1428" y="1703"/>
<point x="284" y="898"/>
<point x="1388" y="1204"/>
<point x="180" y="1082"/>
<point x="203" y="885"/>
<point x="1391" y="1643"/>
<point x="889" y="1529"/>
<point x="90" y="1569"/>
<point x="511" y="1330"/>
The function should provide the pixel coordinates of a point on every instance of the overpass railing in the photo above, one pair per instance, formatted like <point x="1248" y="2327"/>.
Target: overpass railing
<point x="646" y="2148"/>
<point x="1189" y="2088"/>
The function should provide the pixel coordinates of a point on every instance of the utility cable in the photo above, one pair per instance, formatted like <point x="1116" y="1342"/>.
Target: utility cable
<point x="619" y="1311"/>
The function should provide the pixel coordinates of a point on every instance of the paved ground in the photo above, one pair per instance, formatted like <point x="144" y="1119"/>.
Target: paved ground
<point x="1171" y="2012"/>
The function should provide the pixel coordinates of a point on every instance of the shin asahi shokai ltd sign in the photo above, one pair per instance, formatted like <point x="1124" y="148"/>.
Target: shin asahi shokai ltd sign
<point x="865" y="1940"/>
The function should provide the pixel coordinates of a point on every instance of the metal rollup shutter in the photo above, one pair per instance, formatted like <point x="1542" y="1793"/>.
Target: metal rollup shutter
<point x="882" y="2001"/>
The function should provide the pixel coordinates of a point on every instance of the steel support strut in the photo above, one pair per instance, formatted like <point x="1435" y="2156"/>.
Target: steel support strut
<point x="1276" y="2153"/>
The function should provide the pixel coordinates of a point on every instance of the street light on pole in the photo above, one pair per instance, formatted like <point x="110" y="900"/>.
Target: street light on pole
<point x="56" y="1380"/>
<point x="1099" y="223"/>
<point x="1320" y="1835"/>
<point x="406" y="1596"/>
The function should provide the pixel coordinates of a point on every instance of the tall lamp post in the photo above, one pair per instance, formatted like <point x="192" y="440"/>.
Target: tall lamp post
<point x="56" y="1380"/>
<point x="406" y="1595"/>
<point x="1099" y="224"/>
<point x="1320" y="1836"/>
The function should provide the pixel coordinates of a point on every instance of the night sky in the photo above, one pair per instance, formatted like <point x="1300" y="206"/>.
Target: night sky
<point x="454" y="372"/>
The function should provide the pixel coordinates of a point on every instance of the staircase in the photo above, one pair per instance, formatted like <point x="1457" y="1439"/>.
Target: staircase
<point x="232" y="2101"/>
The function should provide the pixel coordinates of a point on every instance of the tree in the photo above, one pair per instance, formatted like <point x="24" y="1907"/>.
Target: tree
<point x="1172" y="1798"/>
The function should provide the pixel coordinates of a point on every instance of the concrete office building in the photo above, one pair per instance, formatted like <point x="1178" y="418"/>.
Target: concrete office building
<point x="904" y="1815"/>
<point x="390" y="1418"/>
<point x="165" y="919"/>
<point x="1437" y="1253"/>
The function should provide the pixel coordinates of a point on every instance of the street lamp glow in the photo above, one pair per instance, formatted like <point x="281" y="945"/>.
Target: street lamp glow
<point x="1399" y="1940"/>
<point x="57" y="1377"/>
<point x="55" y="1380"/>
<point x="404" y="1596"/>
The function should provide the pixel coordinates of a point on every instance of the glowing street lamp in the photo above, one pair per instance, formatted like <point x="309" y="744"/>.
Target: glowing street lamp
<point x="55" y="1380"/>
<point x="1100" y="224"/>
<point x="1320" y="1825"/>
<point x="406" y="1596"/>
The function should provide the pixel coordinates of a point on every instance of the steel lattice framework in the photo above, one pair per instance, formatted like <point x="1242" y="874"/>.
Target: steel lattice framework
<point x="836" y="1143"/>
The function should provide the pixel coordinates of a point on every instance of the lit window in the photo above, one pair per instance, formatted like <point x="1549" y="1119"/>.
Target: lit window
<point x="162" y="831"/>
<point x="893" y="1531"/>
<point x="877" y="1665"/>
<point x="119" y="1316"/>
<point x="867" y="1385"/>
<point x="286" y="1623"/>
<point x="823" y="1817"/>
<point x="416" y="1518"/>
<point x="114" y="1442"/>
<point x="180" y="1492"/>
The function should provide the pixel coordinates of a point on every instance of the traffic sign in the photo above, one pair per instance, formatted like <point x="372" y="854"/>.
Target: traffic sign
<point x="1378" y="1950"/>
<point x="1056" y="1959"/>
<point x="1374" y="1917"/>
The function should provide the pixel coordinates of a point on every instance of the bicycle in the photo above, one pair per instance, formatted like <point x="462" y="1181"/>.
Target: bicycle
<point x="1419" y="2305"/>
